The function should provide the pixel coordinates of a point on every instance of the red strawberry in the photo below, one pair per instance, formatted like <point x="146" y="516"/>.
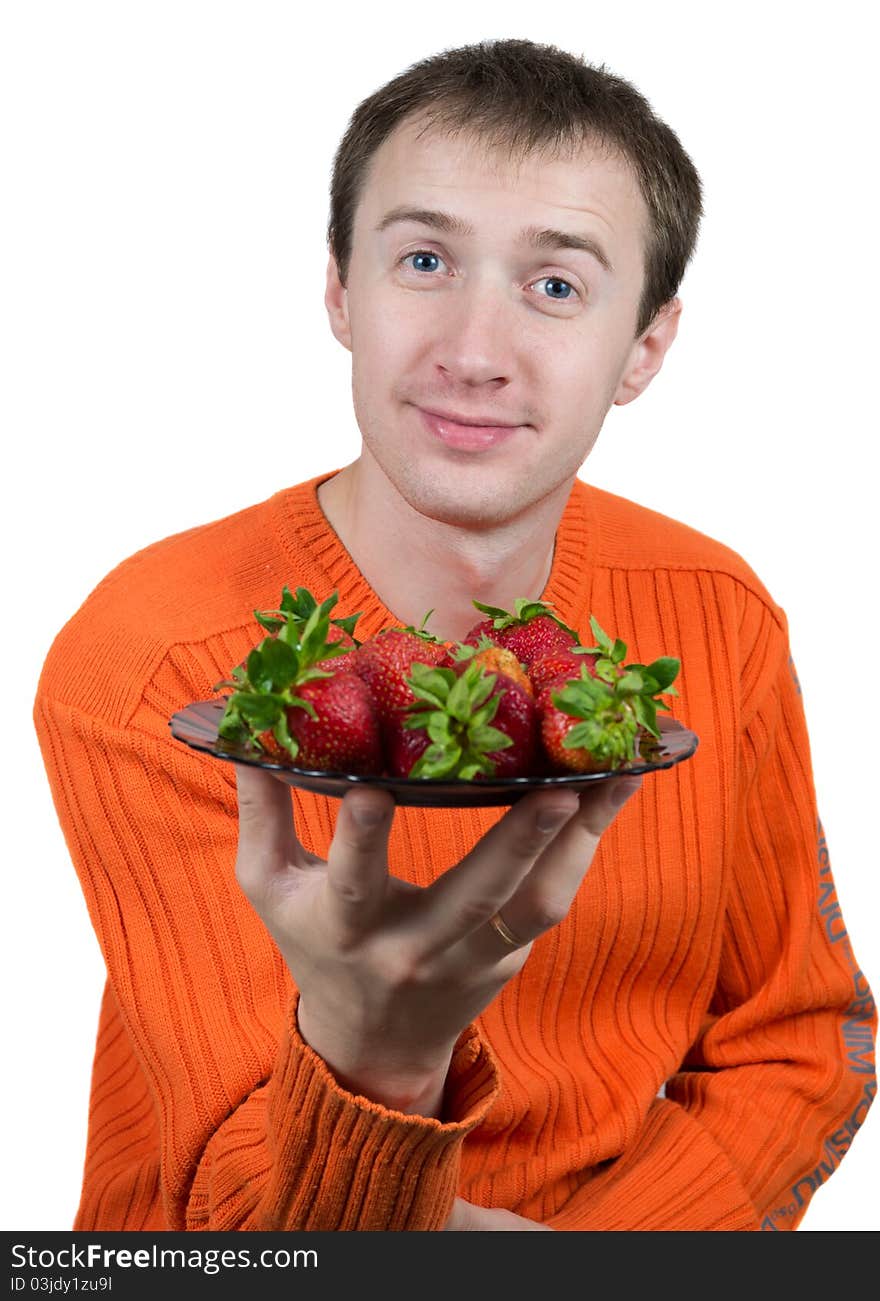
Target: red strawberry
<point x="515" y="718"/>
<point x="494" y="658"/>
<point x="475" y="724"/>
<point x="403" y="746"/>
<point x="497" y="659"/>
<point x="591" y="723"/>
<point x="533" y="629"/>
<point x="337" y="636"/>
<point x="274" y="749"/>
<point x="561" y="663"/>
<point x="484" y="630"/>
<point x="344" y="734"/>
<point x="285" y="705"/>
<point x="555" y="725"/>
<point x="385" y="660"/>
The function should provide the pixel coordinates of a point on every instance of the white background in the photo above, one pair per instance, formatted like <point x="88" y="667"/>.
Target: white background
<point x="167" y="360"/>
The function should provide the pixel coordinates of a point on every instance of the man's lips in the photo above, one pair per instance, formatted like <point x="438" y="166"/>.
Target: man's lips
<point x="466" y="432"/>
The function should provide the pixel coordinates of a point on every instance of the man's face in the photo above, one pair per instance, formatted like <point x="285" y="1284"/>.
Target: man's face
<point x="473" y="314"/>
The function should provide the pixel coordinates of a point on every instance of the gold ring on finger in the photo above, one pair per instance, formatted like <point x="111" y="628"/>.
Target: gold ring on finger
<point x="511" y="939"/>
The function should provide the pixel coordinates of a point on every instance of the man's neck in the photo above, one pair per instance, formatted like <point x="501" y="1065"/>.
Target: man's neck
<point x="415" y="564"/>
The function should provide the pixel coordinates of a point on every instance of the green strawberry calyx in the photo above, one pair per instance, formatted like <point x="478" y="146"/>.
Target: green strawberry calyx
<point x="524" y="611"/>
<point x="266" y="686"/>
<point x="464" y="651"/>
<point x="615" y="700"/>
<point x="456" y="711"/>
<point x="421" y="631"/>
<point x="298" y="609"/>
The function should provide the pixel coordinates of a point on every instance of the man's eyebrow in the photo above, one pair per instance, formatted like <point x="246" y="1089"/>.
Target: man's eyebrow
<point x="444" y="221"/>
<point x="562" y="239"/>
<point x="536" y="236"/>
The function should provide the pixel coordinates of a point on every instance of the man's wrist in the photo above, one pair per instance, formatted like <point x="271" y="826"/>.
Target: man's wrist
<point x="422" y="1097"/>
<point x="412" y="1092"/>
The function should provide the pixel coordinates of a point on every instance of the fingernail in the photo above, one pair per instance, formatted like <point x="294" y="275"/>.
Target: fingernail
<point x="622" y="789"/>
<point x="367" y="815"/>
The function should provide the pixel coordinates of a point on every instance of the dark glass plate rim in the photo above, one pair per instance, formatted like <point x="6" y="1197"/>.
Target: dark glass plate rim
<point x="196" y="726"/>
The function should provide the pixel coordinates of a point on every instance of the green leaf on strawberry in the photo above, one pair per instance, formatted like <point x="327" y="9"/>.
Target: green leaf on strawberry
<point x="422" y="631"/>
<point x="464" y="651"/>
<point x="296" y="610"/>
<point x="268" y="684"/>
<point x="614" y="700"/>
<point x="523" y="611"/>
<point x="455" y="710"/>
<point x="272" y="666"/>
<point x="659" y="675"/>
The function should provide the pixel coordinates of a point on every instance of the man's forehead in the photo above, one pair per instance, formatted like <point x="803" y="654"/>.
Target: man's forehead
<point x="417" y="166"/>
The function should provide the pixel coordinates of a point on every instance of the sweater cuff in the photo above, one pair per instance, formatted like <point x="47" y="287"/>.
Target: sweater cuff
<point x="341" y="1161"/>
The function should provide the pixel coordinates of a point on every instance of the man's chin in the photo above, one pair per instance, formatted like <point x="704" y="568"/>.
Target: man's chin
<point x="463" y="509"/>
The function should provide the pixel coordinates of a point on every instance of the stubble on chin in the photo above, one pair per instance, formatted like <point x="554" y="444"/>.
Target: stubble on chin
<point x="471" y="494"/>
<point x="473" y="502"/>
<point x="448" y="498"/>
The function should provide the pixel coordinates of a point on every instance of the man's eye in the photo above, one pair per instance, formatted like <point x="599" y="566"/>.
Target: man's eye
<point x="422" y="260"/>
<point x="558" y="290"/>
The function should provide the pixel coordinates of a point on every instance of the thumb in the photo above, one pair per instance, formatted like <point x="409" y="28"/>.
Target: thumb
<point x="267" y="842"/>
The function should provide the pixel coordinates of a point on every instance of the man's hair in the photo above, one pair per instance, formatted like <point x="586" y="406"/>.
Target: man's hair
<point x="521" y="97"/>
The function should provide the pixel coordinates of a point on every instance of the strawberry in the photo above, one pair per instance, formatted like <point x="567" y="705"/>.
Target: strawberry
<point x="335" y="663"/>
<point x="339" y="663"/>
<point x="403" y="746"/>
<point x="484" y="630"/>
<point x="495" y="658"/>
<point x="531" y="631"/>
<point x="285" y="705"/>
<point x="591" y="723"/>
<point x="384" y="662"/>
<point x="295" y="611"/>
<point x="340" y="732"/>
<point x="561" y="663"/>
<point x="472" y="723"/>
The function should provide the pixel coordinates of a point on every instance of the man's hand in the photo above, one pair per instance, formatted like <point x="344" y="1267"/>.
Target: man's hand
<point x="469" y="1218"/>
<point x="389" y="973"/>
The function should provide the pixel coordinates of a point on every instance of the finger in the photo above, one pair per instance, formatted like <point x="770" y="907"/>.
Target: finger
<point x="357" y="863"/>
<point x="467" y="895"/>
<point x="545" y="895"/>
<point x="267" y="840"/>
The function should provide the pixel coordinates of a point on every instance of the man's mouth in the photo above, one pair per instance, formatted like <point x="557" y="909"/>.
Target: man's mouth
<point x="466" y="431"/>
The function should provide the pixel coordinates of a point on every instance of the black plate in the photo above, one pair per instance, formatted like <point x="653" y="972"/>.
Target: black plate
<point x="196" y="726"/>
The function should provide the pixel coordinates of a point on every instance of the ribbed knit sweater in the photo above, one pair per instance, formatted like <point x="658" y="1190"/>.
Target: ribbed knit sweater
<point x="690" y="1049"/>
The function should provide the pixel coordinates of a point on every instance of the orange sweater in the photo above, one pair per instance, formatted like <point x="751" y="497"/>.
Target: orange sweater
<point x="705" y="957"/>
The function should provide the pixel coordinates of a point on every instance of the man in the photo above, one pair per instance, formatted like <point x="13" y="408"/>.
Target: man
<point x="618" y="1011"/>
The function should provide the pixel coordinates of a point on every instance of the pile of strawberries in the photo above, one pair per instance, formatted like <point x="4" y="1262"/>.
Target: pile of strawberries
<point x="518" y="697"/>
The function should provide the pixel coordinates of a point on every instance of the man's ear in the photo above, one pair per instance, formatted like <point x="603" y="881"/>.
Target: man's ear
<point x="336" y="302"/>
<point x="648" y="352"/>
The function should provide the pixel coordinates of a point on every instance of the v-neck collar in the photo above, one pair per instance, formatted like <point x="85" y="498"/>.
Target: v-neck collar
<point x="305" y="530"/>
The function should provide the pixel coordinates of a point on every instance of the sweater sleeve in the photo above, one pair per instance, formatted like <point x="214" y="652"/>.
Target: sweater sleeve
<point x="781" y="1075"/>
<point x="253" y="1131"/>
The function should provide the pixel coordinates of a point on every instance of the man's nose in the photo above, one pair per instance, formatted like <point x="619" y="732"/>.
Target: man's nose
<point x="476" y="340"/>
